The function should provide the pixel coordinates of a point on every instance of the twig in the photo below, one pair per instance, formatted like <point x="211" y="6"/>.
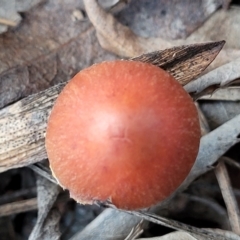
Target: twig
<point x="170" y="223"/>
<point x="18" y="207"/>
<point x="228" y="196"/>
<point x="177" y="225"/>
<point x="7" y="22"/>
<point x="231" y="162"/>
<point x="43" y="171"/>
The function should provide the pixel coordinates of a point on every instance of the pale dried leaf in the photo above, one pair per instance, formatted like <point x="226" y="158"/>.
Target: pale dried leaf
<point x="41" y="52"/>
<point x="50" y="69"/>
<point x="47" y="223"/>
<point x="223" y="94"/>
<point x="173" y="236"/>
<point x="111" y="224"/>
<point x="166" y="19"/>
<point x="8" y="15"/>
<point x="219" y="112"/>
<point x="116" y="37"/>
<point x="108" y="3"/>
<point x="42" y="34"/>
<point x="120" y="40"/>
<point x="218" y="77"/>
<point x="213" y="146"/>
<point x="114" y="6"/>
<point x="223" y="24"/>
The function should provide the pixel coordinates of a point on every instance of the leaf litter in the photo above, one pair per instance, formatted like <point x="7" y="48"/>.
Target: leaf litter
<point x="35" y="109"/>
<point x="26" y="120"/>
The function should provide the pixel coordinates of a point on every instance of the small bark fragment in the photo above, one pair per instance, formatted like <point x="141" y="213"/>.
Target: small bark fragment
<point x="184" y="63"/>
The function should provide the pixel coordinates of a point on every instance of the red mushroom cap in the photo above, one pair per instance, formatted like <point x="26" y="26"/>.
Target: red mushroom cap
<point x="123" y="131"/>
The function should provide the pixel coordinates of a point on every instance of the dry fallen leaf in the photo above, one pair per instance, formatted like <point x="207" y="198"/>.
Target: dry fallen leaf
<point x="122" y="41"/>
<point x="166" y="19"/>
<point x="46" y="53"/>
<point x="223" y="94"/>
<point x="41" y="52"/>
<point x="213" y="146"/>
<point x="219" y="112"/>
<point x="111" y="224"/>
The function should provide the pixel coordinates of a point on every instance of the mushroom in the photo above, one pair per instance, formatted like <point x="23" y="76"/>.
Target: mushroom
<point x="123" y="131"/>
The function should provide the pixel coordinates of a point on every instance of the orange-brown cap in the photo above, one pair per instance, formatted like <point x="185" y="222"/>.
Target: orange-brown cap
<point x="124" y="131"/>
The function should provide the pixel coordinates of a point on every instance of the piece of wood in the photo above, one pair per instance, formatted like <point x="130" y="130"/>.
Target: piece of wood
<point x="23" y="124"/>
<point x="8" y="22"/>
<point x="22" y="129"/>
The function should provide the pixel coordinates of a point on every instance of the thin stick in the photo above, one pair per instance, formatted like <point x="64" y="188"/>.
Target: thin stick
<point x="7" y="22"/>
<point x="43" y="171"/>
<point x="231" y="162"/>
<point x="18" y="207"/>
<point x="228" y="196"/>
<point x="205" y="233"/>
